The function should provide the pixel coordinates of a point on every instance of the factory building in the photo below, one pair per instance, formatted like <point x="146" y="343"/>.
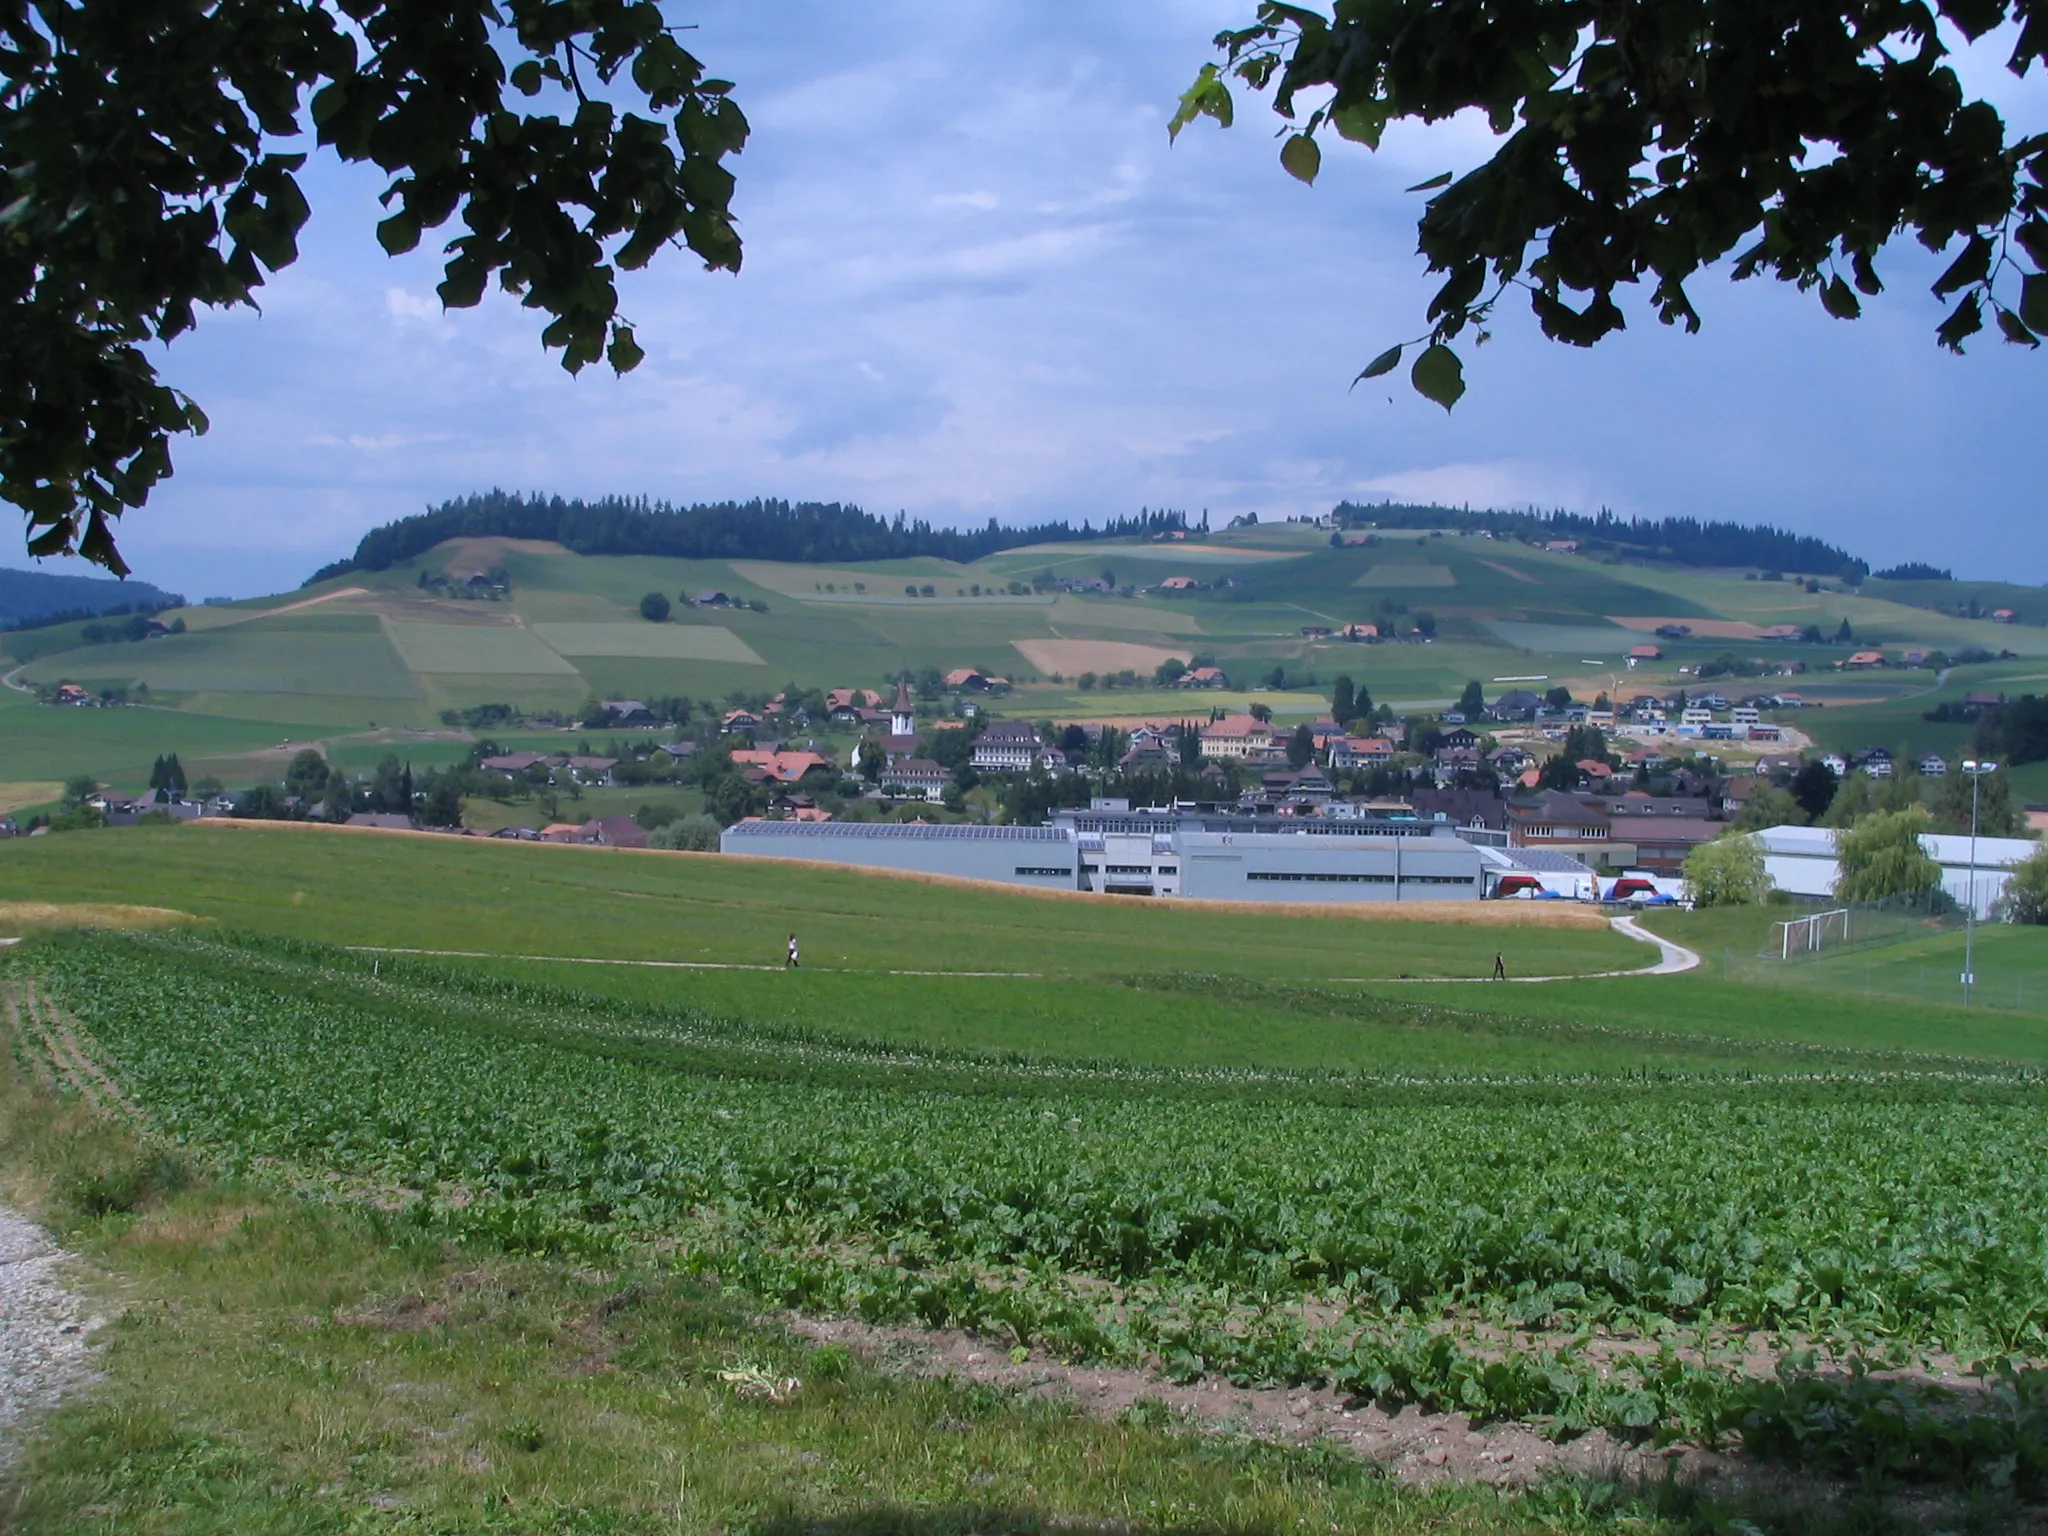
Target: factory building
<point x="1162" y="853"/>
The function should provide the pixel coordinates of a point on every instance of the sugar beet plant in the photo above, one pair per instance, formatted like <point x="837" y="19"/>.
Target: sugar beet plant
<point x="1467" y="1245"/>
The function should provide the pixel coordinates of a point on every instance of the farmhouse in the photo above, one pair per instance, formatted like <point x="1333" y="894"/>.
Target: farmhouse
<point x="1204" y="677"/>
<point x="1645" y="652"/>
<point x="628" y="712"/>
<point x="1863" y="660"/>
<point x="1179" y="584"/>
<point x="782" y="767"/>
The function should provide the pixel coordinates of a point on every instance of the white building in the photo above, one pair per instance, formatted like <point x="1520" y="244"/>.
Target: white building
<point x="1802" y="860"/>
<point x="1007" y="746"/>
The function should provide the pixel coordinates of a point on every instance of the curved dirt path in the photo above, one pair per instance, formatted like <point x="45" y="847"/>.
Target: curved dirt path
<point x="45" y="1338"/>
<point x="1671" y="960"/>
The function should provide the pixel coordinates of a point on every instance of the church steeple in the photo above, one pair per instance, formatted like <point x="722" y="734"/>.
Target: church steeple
<point x="903" y="713"/>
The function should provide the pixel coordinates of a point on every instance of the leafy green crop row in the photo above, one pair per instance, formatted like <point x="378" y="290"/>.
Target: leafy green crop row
<point x="1388" y="1239"/>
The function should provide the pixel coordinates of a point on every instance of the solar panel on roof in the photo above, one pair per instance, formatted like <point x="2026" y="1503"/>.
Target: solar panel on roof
<point x="890" y="829"/>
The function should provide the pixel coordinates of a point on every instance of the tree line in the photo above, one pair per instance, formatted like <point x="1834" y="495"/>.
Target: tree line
<point x="1680" y="540"/>
<point x="803" y="532"/>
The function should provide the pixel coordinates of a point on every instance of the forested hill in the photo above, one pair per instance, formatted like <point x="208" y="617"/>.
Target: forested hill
<point x="725" y="530"/>
<point x="43" y="597"/>
<point x="1680" y="540"/>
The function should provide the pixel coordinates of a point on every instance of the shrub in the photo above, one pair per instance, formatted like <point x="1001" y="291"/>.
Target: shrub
<point x="2026" y="893"/>
<point x="654" y="608"/>
<point x="1881" y="857"/>
<point x="687" y="834"/>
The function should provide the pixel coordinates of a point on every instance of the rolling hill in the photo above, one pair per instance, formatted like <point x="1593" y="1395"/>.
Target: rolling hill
<point x="365" y="654"/>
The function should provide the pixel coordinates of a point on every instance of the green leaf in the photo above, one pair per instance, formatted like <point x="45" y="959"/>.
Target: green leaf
<point x="1838" y="299"/>
<point x="526" y="78"/>
<point x="1362" y="122"/>
<point x="1438" y="375"/>
<point x="625" y="353"/>
<point x="1384" y="363"/>
<point x="1301" y="158"/>
<point x="2015" y="332"/>
<point x="1442" y="179"/>
<point x="1207" y="97"/>
<point x="399" y="233"/>
<point x="2034" y="302"/>
<point x="1973" y="266"/>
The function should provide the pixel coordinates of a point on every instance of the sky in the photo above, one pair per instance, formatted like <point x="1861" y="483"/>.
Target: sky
<point x="979" y="281"/>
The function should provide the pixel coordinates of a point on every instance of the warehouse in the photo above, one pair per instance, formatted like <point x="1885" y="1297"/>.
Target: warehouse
<point x="1218" y="858"/>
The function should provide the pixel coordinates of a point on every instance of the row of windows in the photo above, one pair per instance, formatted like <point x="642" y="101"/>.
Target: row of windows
<point x="1357" y="879"/>
<point x="1026" y="869"/>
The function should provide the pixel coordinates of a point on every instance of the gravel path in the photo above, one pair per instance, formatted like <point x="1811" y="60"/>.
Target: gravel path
<point x="45" y="1334"/>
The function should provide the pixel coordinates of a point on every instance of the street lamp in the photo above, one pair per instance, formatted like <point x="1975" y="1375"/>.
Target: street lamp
<point x="1976" y="771"/>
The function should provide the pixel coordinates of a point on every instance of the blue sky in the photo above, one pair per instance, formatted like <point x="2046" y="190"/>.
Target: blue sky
<point x="979" y="282"/>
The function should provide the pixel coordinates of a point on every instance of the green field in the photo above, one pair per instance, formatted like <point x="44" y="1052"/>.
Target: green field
<point x="1189" y="1146"/>
<point x="372" y="649"/>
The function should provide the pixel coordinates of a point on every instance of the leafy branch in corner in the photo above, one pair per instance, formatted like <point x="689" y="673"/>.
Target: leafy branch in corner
<point x="1642" y="140"/>
<point x="146" y="172"/>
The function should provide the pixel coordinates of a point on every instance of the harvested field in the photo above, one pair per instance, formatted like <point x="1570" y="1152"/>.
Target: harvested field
<point x="1509" y="570"/>
<point x="18" y="918"/>
<point x="1415" y="574"/>
<point x="1072" y="657"/>
<point x="463" y="557"/>
<point x="26" y="792"/>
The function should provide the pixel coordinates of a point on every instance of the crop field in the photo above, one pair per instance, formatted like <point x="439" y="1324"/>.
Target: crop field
<point x="669" y="642"/>
<point x="1609" y="1253"/>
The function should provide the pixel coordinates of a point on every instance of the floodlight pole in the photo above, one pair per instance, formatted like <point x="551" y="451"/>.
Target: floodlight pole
<point x="1976" y="771"/>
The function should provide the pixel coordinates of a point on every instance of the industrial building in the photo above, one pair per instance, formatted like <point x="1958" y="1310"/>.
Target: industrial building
<point x="1802" y="860"/>
<point x="1168" y="853"/>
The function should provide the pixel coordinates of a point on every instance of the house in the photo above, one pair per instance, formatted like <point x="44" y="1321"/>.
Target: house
<point x="917" y="777"/>
<point x="1974" y="700"/>
<point x="967" y="678"/>
<point x="1007" y="746"/>
<point x="1561" y="546"/>
<point x="515" y="834"/>
<point x="1461" y="807"/>
<point x="1204" y="677"/>
<point x="592" y="770"/>
<point x="562" y="832"/>
<point x="513" y="763"/>
<point x="1875" y="761"/>
<point x="1662" y="846"/>
<point x="1835" y="763"/>
<point x="855" y="699"/>
<point x="1316" y="631"/>
<point x="1913" y="658"/>
<point x="387" y="821"/>
<point x="1594" y="769"/>
<point x="1460" y="736"/>
<point x="615" y="832"/>
<point x="1360" y="752"/>
<point x="1637" y="805"/>
<point x="713" y="599"/>
<point x="782" y="767"/>
<point x="1645" y="652"/>
<point x="1779" y="632"/>
<point x="1774" y="765"/>
<point x="1236" y="736"/>
<point x="740" y="722"/>
<point x="1861" y="661"/>
<point x="1515" y="704"/>
<point x="1553" y="818"/>
<point x="1360" y="632"/>
<point x="1509" y="760"/>
<point x="2004" y="616"/>
<point x="71" y="693"/>
<point x="1178" y="584"/>
<point x="1933" y="766"/>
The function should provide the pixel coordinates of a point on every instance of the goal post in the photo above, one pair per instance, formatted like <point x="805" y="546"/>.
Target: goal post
<point x="1812" y="933"/>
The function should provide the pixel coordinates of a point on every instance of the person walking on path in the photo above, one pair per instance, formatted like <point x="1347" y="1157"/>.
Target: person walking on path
<point x="1500" y="970"/>
<point x="792" y="965"/>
